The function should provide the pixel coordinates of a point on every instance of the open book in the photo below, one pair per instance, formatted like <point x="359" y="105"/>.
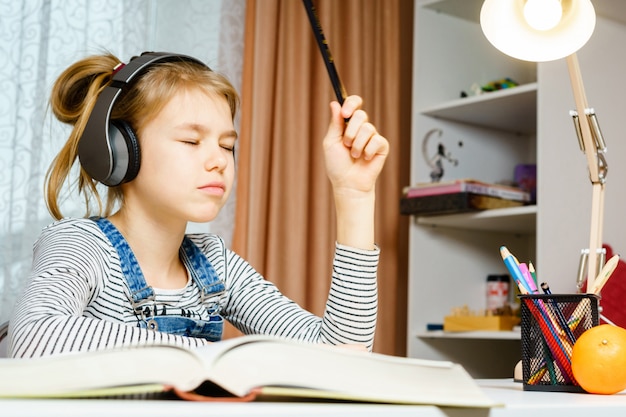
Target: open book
<point x="247" y="368"/>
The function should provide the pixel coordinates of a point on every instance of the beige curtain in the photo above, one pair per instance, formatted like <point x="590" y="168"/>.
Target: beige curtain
<point x="285" y="224"/>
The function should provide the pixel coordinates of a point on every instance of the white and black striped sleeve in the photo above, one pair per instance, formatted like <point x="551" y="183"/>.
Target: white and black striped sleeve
<point x="257" y="306"/>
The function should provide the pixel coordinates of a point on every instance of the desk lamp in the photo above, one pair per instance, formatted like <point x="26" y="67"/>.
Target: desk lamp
<point x="547" y="30"/>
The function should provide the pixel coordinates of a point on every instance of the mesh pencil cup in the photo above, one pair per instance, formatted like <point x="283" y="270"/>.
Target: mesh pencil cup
<point x="551" y="324"/>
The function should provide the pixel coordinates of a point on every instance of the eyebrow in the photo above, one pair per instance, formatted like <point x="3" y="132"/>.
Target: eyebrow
<point x="201" y="129"/>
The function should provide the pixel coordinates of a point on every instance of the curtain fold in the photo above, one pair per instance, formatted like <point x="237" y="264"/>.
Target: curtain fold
<point x="284" y="221"/>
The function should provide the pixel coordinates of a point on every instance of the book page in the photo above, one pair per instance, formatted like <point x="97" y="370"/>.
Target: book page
<point x="331" y="372"/>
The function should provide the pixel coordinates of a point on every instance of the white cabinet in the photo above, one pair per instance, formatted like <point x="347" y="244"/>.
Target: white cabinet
<point x="451" y="255"/>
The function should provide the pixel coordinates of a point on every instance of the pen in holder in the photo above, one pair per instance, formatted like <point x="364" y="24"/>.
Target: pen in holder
<point x="550" y="325"/>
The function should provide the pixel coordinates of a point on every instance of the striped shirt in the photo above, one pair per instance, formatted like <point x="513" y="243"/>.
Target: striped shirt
<point x="77" y="298"/>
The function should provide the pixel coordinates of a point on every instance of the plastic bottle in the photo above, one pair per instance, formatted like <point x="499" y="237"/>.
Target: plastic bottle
<point x="497" y="291"/>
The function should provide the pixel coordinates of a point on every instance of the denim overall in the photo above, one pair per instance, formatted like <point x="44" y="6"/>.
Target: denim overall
<point x="142" y="296"/>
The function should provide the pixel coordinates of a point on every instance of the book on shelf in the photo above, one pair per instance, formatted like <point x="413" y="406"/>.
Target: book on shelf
<point x="453" y="203"/>
<point x="468" y="186"/>
<point x="246" y="368"/>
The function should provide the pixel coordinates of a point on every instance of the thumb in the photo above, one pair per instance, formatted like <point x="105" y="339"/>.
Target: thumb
<point x="337" y="122"/>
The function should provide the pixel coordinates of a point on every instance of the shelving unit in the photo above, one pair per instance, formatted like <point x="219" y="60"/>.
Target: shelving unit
<point x="451" y="255"/>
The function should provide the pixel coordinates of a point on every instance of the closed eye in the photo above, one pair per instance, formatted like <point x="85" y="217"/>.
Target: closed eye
<point x="228" y="143"/>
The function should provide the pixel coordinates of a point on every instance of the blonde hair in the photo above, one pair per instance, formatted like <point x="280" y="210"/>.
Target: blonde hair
<point x="74" y="95"/>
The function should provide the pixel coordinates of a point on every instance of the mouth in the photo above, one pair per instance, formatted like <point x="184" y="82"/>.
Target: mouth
<point x="213" y="188"/>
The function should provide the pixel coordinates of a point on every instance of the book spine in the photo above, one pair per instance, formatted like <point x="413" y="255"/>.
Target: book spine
<point x="434" y="190"/>
<point x="453" y="203"/>
<point x="507" y="194"/>
<point x="498" y="192"/>
<point x="436" y="204"/>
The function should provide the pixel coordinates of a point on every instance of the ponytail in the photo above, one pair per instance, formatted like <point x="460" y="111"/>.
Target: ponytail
<point x="73" y="96"/>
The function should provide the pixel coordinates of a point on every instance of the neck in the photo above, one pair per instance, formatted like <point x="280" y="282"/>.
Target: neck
<point x="156" y="246"/>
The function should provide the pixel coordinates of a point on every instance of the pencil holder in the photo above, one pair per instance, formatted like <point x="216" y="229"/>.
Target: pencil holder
<point x="550" y="325"/>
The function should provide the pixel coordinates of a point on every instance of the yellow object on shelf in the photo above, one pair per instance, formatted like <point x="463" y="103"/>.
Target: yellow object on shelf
<point x="472" y="323"/>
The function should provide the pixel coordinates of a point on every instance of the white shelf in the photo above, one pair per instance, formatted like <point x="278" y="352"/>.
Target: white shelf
<point x="514" y="220"/>
<point x="511" y="109"/>
<point x="490" y="335"/>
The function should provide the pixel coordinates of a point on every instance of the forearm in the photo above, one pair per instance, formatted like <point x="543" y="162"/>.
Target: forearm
<point x="351" y="309"/>
<point x="355" y="219"/>
<point x="255" y="306"/>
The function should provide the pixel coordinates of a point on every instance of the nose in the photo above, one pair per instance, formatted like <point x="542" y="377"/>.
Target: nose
<point x="216" y="158"/>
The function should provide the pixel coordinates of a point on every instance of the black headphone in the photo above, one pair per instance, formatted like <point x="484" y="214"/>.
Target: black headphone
<point x="108" y="150"/>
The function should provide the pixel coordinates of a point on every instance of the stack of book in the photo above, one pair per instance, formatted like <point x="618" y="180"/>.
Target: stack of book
<point x="459" y="196"/>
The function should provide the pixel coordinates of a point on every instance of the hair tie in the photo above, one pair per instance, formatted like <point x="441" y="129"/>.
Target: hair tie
<point x="118" y="67"/>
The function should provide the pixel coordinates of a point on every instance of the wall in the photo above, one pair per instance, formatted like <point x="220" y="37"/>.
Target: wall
<point x="564" y="188"/>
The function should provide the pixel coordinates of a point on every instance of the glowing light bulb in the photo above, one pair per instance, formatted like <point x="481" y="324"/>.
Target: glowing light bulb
<point x="543" y="14"/>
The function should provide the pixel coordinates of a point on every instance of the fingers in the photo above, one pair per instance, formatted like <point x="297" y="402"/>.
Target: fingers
<point x="363" y="141"/>
<point x="341" y="113"/>
<point x="376" y="145"/>
<point x="358" y="135"/>
<point x="350" y="105"/>
<point x="358" y="121"/>
<point x="361" y="136"/>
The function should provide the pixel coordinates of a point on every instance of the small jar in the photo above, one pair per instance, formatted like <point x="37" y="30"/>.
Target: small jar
<point x="497" y="291"/>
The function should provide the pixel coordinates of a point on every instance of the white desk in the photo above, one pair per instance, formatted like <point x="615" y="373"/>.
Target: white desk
<point x="517" y="403"/>
<point x="520" y="403"/>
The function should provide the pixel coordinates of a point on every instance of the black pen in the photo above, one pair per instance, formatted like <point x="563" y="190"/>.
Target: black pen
<point x="562" y="320"/>
<point x="340" y="91"/>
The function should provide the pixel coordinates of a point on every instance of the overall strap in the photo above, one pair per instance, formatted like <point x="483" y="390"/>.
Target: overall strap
<point x="141" y="292"/>
<point x="202" y="272"/>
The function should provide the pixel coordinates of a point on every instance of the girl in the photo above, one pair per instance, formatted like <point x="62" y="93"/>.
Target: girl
<point x="159" y="133"/>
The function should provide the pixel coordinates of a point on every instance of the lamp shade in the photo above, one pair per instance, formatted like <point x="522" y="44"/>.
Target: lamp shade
<point x="505" y="26"/>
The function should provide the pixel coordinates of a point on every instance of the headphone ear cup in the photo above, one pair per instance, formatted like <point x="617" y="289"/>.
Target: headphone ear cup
<point x="127" y="155"/>
<point x="108" y="150"/>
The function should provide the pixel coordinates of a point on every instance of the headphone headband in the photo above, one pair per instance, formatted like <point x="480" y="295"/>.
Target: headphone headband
<point x="109" y="151"/>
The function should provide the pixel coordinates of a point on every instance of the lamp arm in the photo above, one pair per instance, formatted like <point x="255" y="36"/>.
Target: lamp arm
<point x="596" y="164"/>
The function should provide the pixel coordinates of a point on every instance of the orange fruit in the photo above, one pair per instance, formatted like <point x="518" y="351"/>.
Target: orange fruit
<point x="599" y="359"/>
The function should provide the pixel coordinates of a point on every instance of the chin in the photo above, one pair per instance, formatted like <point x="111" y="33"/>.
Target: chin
<point x="203" y="212"/>
<point x="202" y="217"/>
